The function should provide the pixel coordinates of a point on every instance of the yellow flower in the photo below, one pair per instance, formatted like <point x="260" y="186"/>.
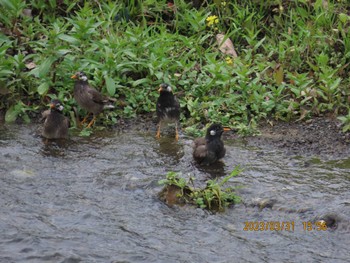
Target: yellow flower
<point x="229" y="61"/>
<point x="212" y="20"/>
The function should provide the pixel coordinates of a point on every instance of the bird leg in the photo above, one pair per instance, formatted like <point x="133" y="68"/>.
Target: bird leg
<point x="176" y="133"/>
<point x="91" y="122"/>
<point x="158" y="131"/>
<point x="84" y="120"/>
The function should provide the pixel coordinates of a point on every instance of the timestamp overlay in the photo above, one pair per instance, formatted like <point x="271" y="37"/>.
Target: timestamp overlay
<point x="284" y="226"/>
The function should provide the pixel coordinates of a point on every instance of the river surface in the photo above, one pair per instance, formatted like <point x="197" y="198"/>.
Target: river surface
<point x="95" y="200"/>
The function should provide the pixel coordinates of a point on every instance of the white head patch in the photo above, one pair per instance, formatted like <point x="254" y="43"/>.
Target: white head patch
<point x="212" y="132"/>
<point x="60" y="108"/>
<point x="168" y="88"/>
<point x="83" y="78"/>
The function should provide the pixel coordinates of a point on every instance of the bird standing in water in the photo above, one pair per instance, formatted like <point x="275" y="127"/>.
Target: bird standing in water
<point x="56" y="124"/>
<point x="89" y="98"/>
<point x="167" y="108"/>
<point x="209" y="149"/>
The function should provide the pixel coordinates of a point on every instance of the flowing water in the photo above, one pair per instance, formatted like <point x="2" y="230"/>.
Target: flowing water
<point x="95" y="200"/>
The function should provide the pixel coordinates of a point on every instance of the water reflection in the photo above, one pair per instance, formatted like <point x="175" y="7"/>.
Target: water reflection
<point x="170" y="150"/>
<point x="214" y="170"/>
<point x="54" y="147"/>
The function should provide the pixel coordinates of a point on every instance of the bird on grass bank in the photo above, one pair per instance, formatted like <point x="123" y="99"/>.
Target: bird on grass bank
<point x="167" y="108"/>
<point x="209" y="149"/>
<point x="89" y="98"/>
<point x="56" y="124"/>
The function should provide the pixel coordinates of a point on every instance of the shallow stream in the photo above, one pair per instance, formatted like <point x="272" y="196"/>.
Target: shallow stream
<point x="95" y="200"/>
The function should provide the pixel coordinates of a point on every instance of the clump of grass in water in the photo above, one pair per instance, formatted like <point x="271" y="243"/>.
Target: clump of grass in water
<point x="213" y="197"/>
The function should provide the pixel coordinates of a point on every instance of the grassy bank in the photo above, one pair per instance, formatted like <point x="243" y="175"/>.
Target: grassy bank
<point x="293" y="58"/>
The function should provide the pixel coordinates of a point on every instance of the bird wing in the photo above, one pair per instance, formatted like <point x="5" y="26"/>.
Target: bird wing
<point x="95" y="95"/>
<point x="223" y="152"/>
<point x="45" y="114"/>
<point x="66" y="122"/>
<point x="200" y="152"/>
<point x="199" y="141"/>
<point x="177" y="103"/>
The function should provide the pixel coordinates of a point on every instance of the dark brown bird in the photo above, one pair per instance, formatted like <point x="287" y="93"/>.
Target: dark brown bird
<point x="167" y="108"/>
<point x="88" y="98"/>
<point x="56" y="124"/>
<point x="209" y="149"/>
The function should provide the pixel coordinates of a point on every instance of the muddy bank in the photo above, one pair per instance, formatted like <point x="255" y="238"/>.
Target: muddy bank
<point x="319" y="136"/>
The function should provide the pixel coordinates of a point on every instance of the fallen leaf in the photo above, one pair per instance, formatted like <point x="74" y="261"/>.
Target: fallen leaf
<point x="4" y="90"/>
<point x="226" y="46"/>
<point x="27" y="12"/>
<point x="303" y="114"/>
<point x="31" y="65"/>
<point x="278" y="74"/>
<point x="325" y="4"/>
<point x="172" y="6"/>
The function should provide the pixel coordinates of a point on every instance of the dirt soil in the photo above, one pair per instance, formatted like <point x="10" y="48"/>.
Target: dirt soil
<point x="319" y="136"/>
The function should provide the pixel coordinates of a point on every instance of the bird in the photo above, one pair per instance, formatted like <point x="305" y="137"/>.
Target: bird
<point x="167" y="108"/>
<point x="89" y="98"/>
<point x="209" y="149"/>
<point x="56" y="124"/>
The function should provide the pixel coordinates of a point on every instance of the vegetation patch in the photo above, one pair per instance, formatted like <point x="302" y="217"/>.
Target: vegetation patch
<point x="290" y="60"/>
<point x="213" y="196"/>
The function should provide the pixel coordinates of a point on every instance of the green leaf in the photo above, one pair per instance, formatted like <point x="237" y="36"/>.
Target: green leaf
<point x="257" y="45"/>
<point x="6" y="72"/>
<point x="343" y="18"/>
<point x="110" y="84"/>
<point x="159" y="75"/>
<point x="343" y="119"/>
<point x="140" y="81"/>
<point x="62" y="52"/>
<point x="335" y="84"/>
<point x="86" y="132"/>
<point x="69" y="39"/>
<point x="12" y="114"/>
<point x="25" y="118"/>
<point x="43" y="68"/>
<point x="129" y="54"/>
<point x="346" y="128"/>
<point x="13" y="6"/>
<point x="43" y="88"/>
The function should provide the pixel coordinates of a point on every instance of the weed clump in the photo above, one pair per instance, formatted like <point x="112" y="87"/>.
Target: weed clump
<point x="213" y="196"/>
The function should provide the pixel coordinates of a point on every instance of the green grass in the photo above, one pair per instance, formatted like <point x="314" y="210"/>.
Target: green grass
<point x="215" y="196"/>
<point x="293" y="59"/>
